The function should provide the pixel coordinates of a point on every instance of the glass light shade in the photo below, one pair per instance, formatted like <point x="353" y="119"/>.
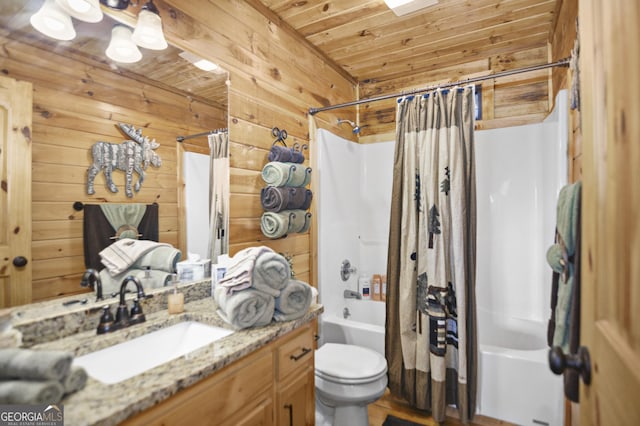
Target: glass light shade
<point x="84" y="10"/>
<point x="148" y="32"/>
<point x="53" y="22"/>
<point x="121" y="47"/>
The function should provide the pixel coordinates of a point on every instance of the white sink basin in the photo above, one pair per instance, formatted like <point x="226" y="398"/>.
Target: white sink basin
<point x="128" y="359"/>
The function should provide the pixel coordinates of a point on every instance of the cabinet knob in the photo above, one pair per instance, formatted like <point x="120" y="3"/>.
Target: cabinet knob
<point x="20" y="261"/>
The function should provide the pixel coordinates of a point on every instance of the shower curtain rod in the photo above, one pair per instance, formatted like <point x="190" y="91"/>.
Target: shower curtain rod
<point x="197" y="135"/>
<point x="561" y="63"/>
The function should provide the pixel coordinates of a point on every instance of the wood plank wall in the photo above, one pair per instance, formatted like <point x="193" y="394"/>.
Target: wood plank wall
<point x="74" y="106"/>
<point x="275" y="77"/>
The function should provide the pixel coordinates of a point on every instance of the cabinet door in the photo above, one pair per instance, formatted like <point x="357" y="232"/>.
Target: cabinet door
<point x="296" y="404"/>
<point x="260" y="415"/>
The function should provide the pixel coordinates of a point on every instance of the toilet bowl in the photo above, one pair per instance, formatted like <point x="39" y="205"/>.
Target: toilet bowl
<point x="347" y="379"/>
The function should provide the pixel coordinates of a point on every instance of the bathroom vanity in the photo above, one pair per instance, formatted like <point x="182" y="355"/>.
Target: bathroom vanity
<point x="262" y="375"/>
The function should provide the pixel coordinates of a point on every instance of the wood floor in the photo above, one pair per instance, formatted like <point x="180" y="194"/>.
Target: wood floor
<point x="379" y="410"/>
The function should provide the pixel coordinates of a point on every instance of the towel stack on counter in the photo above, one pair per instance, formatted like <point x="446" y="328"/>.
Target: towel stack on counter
<point x="285" y="199"/>
<point x="151" y="262"/>
<point x="38" y="377"/>
<point x="257" y="288"/>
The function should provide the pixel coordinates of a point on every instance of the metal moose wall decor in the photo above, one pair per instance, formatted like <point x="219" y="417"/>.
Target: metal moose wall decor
<point x="129" y="156"/>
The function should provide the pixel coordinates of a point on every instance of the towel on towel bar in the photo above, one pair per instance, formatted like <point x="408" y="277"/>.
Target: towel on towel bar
<point x="275" y="225"/>
<point x="121" y="255"/>
<point x="299" y="221"/>
<point x="30" y="392"/>
<point x="29" y="364"/>
<point x="244" y="309"/>
<point x="293" y="302"/>
<point x="276" y="173"/>
<point x="285" y="155"/>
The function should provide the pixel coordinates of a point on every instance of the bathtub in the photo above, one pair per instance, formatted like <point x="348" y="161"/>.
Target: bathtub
<point x="514" y="380"/>
<point x="363" y="327"/>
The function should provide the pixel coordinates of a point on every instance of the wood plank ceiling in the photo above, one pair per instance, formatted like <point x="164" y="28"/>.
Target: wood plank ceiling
<point x="371" y="43"/>
<point x="362" y="38"/>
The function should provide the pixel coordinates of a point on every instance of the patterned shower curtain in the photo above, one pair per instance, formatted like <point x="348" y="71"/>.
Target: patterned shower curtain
<point x="218" y="195"/>
<point x="430" y="337"/>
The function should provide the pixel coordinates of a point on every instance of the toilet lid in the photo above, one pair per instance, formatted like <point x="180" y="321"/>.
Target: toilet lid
<point x="348" y="362"/>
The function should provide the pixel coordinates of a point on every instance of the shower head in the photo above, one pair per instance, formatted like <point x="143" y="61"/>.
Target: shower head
<point x="354" y="126"/>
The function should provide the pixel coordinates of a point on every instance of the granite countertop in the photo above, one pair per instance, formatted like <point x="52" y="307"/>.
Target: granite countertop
<point x="102" y="404"/>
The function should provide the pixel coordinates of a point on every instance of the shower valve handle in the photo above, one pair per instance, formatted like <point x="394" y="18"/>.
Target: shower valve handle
<point x="581" y="362"/>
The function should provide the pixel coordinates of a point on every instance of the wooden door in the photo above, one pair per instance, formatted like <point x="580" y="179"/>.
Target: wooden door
<point x="15" y="193"/>
<point x="610" y="90"/>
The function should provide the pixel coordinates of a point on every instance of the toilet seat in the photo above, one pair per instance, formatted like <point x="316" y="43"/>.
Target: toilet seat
<point x="349" y="364"/>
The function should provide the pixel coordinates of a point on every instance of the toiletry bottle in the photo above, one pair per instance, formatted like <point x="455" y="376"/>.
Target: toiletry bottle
<point x="376" y="283"/>
<point x="383" y="293"/>
<point x="175" y="301"/>
<point x="364" y="282"/>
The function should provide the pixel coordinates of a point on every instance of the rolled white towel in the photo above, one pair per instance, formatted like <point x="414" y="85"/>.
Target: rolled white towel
<point x="293" y="302"/>
<point x="271" y="273"/>
<point x="246" y="308"/>
<point x="30" y="392"/>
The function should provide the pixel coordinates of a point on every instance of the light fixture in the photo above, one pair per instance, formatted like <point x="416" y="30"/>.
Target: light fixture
<point x="52" y="21"/>
<point x="121" y="47"/>
<point x="148" y="32"/>
<point x="404" y="7"/>
<point x="84" y="10"/>
<point x="116" y="4"/>
<point x="199" y="62"/>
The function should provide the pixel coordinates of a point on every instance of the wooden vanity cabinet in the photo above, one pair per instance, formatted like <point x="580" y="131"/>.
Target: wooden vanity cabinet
<point x="272" y="386"/>
<point x="295" y="388"/>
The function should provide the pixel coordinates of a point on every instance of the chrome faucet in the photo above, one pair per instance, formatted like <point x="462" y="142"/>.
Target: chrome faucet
<point x="124" y="318"/>
<point x="345" y="313"/>
<point x="91" y="278"/>
<point x="350" y="294"/>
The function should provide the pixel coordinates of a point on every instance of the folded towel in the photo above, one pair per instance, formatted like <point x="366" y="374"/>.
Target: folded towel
<point x="30" y="392"/>
<point x="240" y="269"/>
<point x="275" y="225"/>
<point x="121" y="255"/>
<point x="31" y="364"/>
<point x="276" y="173"/>
<point x="244" y="309"/>
<point x="271" y="273"/>
<point x="75" y="380"/>
<point x="293" y="302"/>
<point x="161" y="258"/>
<point x="111" y="284"/>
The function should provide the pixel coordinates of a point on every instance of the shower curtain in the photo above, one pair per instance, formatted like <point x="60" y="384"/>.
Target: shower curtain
<point x="430" y="334"/>
<point x="218" y="195"/>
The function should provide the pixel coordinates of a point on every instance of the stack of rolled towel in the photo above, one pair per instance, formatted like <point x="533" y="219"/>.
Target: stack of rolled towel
<point x="285" y="199"/>
<point x="38" y="377"/>
<point x="151" y="262"/>
<point x="258" y="288"/>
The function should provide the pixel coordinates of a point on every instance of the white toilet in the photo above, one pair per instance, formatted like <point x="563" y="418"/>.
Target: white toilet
<point x="348" y="378"/>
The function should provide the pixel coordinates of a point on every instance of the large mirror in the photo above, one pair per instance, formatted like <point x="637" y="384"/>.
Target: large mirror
<point x="79" y="94"/>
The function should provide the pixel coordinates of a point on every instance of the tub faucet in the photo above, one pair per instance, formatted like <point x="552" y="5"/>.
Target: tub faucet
<point x="350" y="294"/>
<point x="91" y="278"/>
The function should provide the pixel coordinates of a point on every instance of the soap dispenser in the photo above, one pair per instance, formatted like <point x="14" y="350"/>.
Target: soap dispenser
<point x="175" y="301"/>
